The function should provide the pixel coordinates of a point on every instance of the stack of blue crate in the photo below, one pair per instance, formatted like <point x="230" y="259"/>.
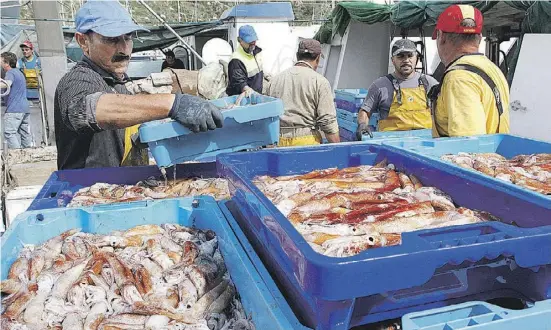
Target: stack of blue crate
<point x="348" y="103"/>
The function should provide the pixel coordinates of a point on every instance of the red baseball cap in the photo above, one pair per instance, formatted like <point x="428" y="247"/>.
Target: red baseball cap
<point x="451" y="18"/>
<point x="27" y="43"/>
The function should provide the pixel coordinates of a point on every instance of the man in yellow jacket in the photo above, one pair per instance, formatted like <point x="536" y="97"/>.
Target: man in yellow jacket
<point x="400" y="98"/>
<point x="473" y="98"/>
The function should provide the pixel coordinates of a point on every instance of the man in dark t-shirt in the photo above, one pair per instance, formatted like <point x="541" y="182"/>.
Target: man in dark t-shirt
<point x="172" y="62"/>
<point x="92" y="107"/>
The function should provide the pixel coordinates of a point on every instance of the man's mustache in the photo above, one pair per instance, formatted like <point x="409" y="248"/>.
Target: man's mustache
<point x="120" y="58"/>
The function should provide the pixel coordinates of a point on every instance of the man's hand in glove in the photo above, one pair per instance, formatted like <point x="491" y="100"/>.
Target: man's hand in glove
<point x="195" y="113"/>
<point x="363" y="128"/>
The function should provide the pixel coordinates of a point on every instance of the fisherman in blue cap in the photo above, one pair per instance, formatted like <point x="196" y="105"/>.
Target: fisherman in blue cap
<point x="92" y="105"/>
<point x="245" y="70"/>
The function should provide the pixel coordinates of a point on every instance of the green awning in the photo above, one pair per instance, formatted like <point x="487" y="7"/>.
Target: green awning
<point x="415" y="14"/>
<point x="161" y="37"/>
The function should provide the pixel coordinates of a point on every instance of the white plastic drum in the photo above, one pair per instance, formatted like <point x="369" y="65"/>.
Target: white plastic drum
<point x="217" y="49"/>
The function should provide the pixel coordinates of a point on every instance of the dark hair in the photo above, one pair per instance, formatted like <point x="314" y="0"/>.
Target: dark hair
<point x="461" y="38"/>
<point x="10" y="58"/>
<point x="170" y="53"/>
<point x="306" y="57"/>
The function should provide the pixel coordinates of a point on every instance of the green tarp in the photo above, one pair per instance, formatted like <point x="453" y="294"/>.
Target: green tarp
<point x="414" y="14"/>
<point x="365" y="12"/>
<point x="161" y="37"/>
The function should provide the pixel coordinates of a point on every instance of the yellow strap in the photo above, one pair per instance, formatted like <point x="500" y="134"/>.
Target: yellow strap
<point x="133" y="156"/>
<point x="299" y="141"/>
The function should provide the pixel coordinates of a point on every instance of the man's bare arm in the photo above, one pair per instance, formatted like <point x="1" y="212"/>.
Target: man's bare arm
<point x="119" y="111"/>
<point x="333" y="138"/>
<point x="363" y="117"/>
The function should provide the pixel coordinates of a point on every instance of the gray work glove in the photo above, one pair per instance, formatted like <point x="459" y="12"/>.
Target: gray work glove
<point x="363" y="128"/>
<point x="195" y="113"/>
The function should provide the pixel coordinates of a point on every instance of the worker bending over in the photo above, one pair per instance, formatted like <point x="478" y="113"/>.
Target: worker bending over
<point x="92" y="106"/>
<point x="474" y="95"/>
<point x="400" y="98"/>
<point x="245" y="71"/>
<point x="307" y="98"/>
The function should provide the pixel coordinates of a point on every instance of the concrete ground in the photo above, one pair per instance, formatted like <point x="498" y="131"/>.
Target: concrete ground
<point x="36" y="124"/>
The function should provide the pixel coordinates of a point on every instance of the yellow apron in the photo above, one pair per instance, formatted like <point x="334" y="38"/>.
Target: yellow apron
<point x="299" y="141"/>
<point x="31" y="77"/>
<point x="133" y="156"/>
<point x="408" y="111"/>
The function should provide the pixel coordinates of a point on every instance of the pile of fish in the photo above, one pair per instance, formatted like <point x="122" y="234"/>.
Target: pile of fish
<point x="341" y="212"/>
<point x="147" y="277"/>
<point x="104" y="193"/>
<point x="529" y="171"/>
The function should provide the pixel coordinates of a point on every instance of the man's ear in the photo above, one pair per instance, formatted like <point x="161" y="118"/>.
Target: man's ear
<point x="443" y="37"/>
<point x="83" y="41"/>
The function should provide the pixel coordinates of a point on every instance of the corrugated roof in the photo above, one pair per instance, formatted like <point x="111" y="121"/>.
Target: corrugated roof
<point x="279" y="10"/>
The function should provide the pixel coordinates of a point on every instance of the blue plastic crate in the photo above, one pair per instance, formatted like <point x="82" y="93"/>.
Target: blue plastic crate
<point x="506" y="145"/>
<point x="350" y="99"/>
<point x="351" y="95"/>
<point x="252" y="125"/>
<point x="228" y="209"/>
<point x="348" y="106"/>
<point x="346" y="135"/>
<point x="265" y="305"/>
<point x="480" y="316"/>
<point x="52" y="193"/>
<point x="347" y="115"/>
<point x="397" y="135"/>
<point x="443" y="266"/>
<point x="347" y="125"/>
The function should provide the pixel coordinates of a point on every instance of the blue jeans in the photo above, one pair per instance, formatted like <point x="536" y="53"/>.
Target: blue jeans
<point x="17" y="124"/>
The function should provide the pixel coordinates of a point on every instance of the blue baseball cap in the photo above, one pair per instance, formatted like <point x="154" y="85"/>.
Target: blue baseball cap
<point x="247" y="34"/>
<point x="106" y="17"/>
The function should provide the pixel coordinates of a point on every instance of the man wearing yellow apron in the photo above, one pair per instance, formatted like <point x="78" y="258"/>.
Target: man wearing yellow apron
<point x="307" y="98"/>
<point x="400" y="99"/>
<point x="29" y="64"/>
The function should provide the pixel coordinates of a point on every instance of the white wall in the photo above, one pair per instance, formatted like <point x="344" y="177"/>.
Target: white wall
<point x="364" y="55"/>
<point x="529" y="112"/>
<point x="278" y="41"/>
<point x="332" y="62"/>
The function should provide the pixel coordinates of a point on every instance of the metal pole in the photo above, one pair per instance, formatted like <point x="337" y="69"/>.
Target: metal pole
<point x="43" y="114"/>
<point x="172" y="30"/>
<point x="179" y="11"/>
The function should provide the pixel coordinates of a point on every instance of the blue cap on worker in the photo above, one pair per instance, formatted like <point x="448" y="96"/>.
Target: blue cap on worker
<point x="106" y="17"/>
<point x="247" y="34"/>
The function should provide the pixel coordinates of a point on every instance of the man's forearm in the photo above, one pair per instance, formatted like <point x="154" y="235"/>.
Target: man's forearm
<point x="333" y="138"/>
<point x="363" y="117"/>
<point x="120" y="111"/>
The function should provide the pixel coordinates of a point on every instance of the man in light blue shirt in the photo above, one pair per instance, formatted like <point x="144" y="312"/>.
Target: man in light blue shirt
<point x="17" y="130"/>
